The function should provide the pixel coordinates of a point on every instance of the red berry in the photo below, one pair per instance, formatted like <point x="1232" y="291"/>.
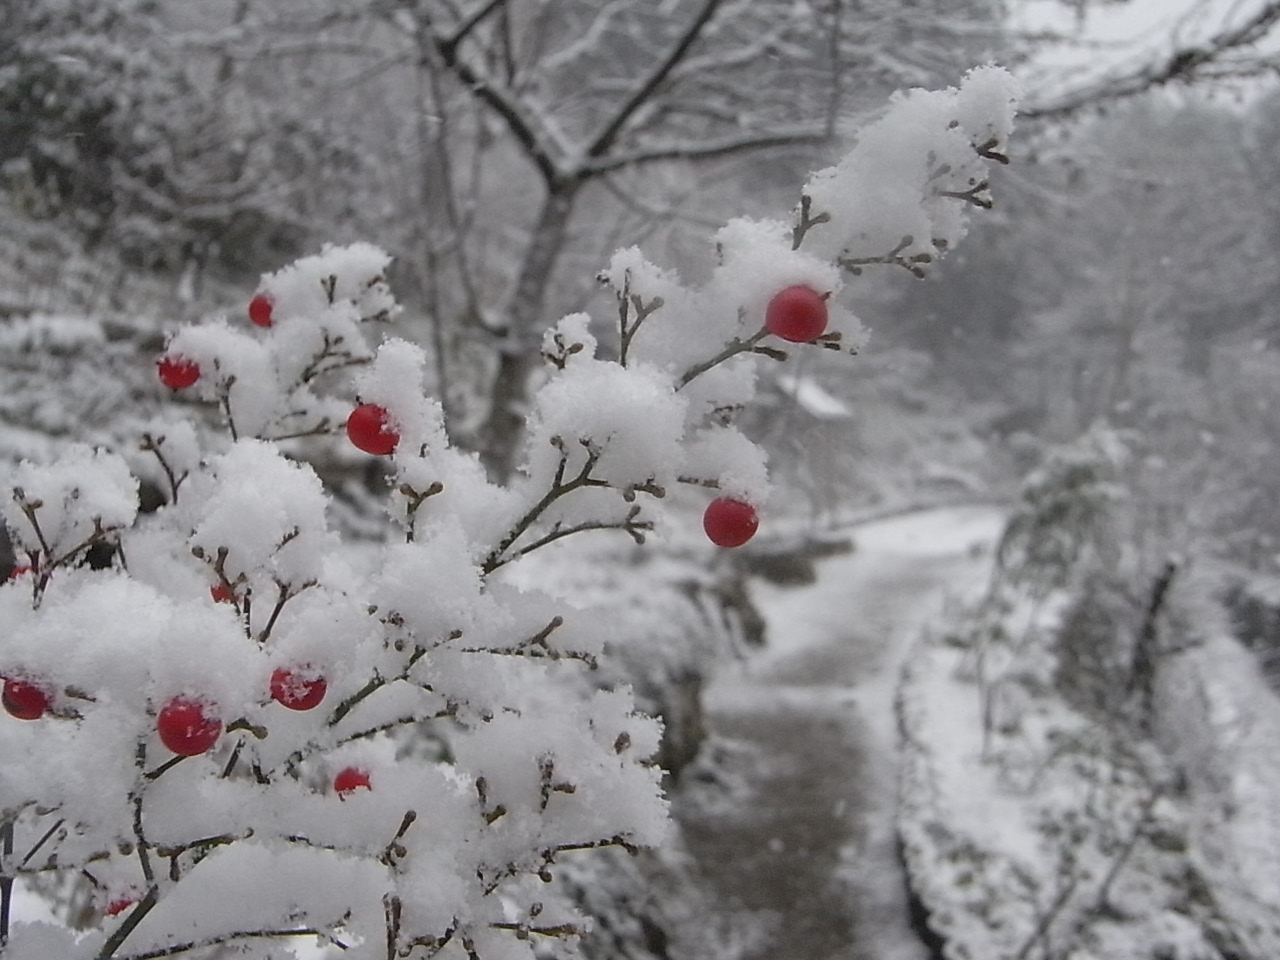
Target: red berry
<point x="260" y="308"/>
<point x="221" y="593"/>
<point x="177" y="372"/>
<point x="349" y="780"/>
<point x="369" y="428"/>
<point x="24" y="700"/>
<point x="730" y="523"/>
<point x="188" y="727"/>
<point x="798" y="314"/>
<point x="297" y="690"/>
<point x="17" y="572"/>
<point x="118" y="906"/>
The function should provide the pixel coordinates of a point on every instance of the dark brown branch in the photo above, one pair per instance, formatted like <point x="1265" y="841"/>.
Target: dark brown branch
<point x="559" y="488"/>
<point x="151" y="445"/>
<point x="535" y="142"/>
<point x="471" y="22"/>
<point x="731" y="349"/>
<point x="375" y="683"/>
<point x="708" y="150"/>
<point x="636" y="528"/>
<point x="645" y="89"/>
<point x="186" y="946"/>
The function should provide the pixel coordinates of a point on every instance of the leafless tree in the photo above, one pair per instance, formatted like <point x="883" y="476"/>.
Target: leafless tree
<point x="1207" y="42"/>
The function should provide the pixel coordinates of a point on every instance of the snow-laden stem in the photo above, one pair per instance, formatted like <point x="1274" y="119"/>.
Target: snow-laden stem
<point x="630" y="524"/>
<point x="536" y="647"/>
<point x="414" y="499"/>
<point x="560" y="487"/>
<point x="284" y="594"/>
<point x="805" y="222"/>
<point x="151" y="445"/>
<point x="377" y="682"/>
<point x="913" y="264"/>
<point x="224" y="401"/>
<point x="731" y="349"/>
<point x="238" y="936"/>
<point x="398" y="723"/>
<point x="45" y="838"/>
<point x="627" y="329"/>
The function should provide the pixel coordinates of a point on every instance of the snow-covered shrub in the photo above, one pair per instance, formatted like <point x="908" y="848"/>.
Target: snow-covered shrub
<point x="206" y="720"/>
<point x="1085" y="757"/>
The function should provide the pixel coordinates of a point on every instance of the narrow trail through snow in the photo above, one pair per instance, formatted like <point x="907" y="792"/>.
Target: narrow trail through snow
<point x="808" y="853"/>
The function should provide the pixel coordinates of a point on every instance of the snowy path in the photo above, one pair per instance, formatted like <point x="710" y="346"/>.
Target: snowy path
<point x="809" y="856"/>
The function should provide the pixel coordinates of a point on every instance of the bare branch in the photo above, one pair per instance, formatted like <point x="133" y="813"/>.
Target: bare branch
<point x="471" y="22"/>
<point x="646" y="87"/>
<point x="535" y="141"/>
<point x="1184" y="64"/>
<point x="708" y="149"/>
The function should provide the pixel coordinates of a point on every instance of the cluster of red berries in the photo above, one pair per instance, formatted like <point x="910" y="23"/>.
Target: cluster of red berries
<point x="186" y="726"/>
<point x="797" y="314"/>
<point x="368" y="427"/>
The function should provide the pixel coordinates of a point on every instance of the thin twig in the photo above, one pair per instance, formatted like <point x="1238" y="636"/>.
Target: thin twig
<point x="731" y="349"/>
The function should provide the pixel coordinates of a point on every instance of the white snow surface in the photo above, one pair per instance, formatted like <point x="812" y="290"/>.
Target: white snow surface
<point x="834" y="652"/>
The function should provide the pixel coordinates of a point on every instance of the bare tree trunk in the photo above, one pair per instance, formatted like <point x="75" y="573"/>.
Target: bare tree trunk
<point x="1142" y="670"/>
<point x="500" y="433"/>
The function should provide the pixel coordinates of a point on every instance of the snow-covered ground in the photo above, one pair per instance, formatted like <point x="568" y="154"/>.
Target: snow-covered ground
<point x="806" y="846"/>
<point x="1038" y="820"/>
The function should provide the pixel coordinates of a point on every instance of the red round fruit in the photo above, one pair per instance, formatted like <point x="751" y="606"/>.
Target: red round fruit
<point x="177" y="372"/>
<point x="729" y="522"/>
<point x="221" y="593"/>
<point x="24" y="700"/>
<point x="349" y="780"/>
<point x="118" y="906"/>
<point x="260" y="308"/>
<point x="369" y="428"/>
<point x="188" y="727"/>
<point x="297" y="689"/>
<point x="798" y="314"/>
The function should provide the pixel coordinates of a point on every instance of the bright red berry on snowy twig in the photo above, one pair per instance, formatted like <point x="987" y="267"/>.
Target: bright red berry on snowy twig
<point x="24" y="700"/>
<point x="798" y="314"/>
<point x="296" y="690"/>
<point x="221" y="593"/>
<point x="369" y="428"/>
<point x="729" y="522"/>
<point x="188" y="727"/>
<point x="349" y="780"/>
<point x="177" y="372"/>
<point x="260" y="308"/>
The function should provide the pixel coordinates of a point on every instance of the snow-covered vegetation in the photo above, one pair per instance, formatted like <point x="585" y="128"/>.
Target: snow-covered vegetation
<point x="545" y="575"/>
<point x="240" y="735"/>
<point x="1088" y="772"/>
